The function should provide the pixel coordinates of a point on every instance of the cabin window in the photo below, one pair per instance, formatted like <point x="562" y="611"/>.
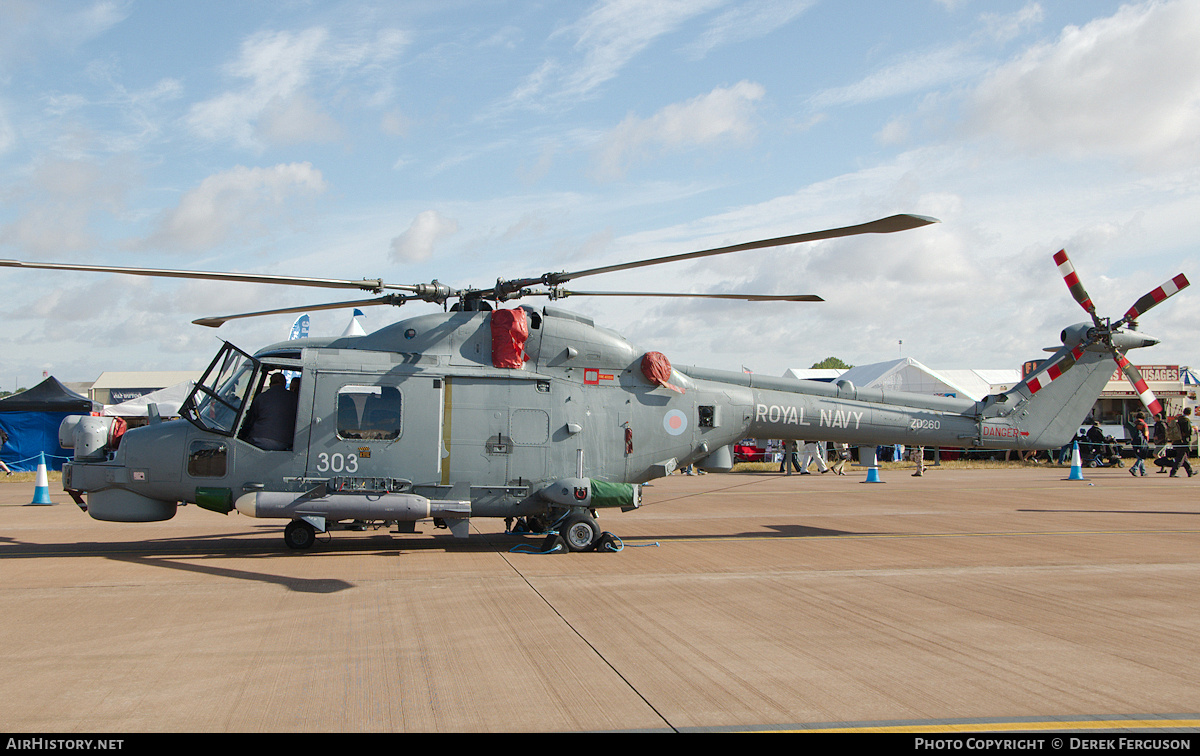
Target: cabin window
<point x="206" y="459"/>
<point x="368" y="413"/>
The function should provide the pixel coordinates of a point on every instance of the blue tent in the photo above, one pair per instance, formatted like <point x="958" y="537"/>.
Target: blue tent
<point x="31" y="419"/>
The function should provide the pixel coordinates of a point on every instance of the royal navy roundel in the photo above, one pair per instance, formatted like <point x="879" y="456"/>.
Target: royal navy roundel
<point x="675" y="422"/>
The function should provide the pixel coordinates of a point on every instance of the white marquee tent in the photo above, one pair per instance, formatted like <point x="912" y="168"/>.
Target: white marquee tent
<point x="168" y="400"/>
<point x="907" y="374"/>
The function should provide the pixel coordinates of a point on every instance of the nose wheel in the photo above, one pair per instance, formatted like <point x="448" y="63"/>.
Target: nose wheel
<point x="299" y="535"/>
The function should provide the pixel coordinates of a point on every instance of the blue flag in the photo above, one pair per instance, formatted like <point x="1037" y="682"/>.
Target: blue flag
<point x="299" y="328"/>
<point x="299" y="331"/>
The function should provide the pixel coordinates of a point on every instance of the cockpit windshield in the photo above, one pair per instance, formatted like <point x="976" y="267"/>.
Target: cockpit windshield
<point x="218" y="400"/>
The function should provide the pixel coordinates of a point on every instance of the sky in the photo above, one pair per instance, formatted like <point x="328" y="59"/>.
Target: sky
<point x="470" y="141"/>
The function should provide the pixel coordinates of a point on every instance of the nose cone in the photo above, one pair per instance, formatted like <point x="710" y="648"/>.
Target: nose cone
<point x="247" y="504"/>
<point x="1132" y="340"/>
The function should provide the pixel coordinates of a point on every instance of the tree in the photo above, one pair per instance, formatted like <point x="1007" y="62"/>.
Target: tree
<point x="831" y="362"/>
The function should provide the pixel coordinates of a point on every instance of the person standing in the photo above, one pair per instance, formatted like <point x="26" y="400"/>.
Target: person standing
<point x="1185" y="442"/>
<point x="919" y="456"/>
<point x="1141" y="445"/>
<point x="813" y="450"/>
<point x="3" y="441"/>
<point x="1161" y="444"/>
<point x="843" y="454"/>
<point x="790" y="457"/>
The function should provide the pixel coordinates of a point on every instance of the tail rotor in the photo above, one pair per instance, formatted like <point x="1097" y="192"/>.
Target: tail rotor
<point x="1106" y="336"/>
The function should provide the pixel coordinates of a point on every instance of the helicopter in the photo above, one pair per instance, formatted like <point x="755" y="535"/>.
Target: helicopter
<point x="536" y="415"/>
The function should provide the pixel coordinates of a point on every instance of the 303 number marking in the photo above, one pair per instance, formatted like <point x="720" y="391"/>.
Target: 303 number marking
<point x="337" y="462"/>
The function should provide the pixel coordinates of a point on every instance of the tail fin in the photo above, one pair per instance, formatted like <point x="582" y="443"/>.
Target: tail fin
<point x="1049" y="406"/>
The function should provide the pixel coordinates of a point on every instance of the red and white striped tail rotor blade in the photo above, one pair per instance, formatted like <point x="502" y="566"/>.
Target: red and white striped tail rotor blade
<point x="1139" y="384"/>
<point x="1067" y="271"/>
<point x="1043" y="379"/>
<point x="1175" y="285"/>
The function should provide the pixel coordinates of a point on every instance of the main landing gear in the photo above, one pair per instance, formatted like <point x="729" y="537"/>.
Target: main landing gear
<point x="579" y="531"/>
<point x="574" y="531"/>
<point x="299" y="534"/>
<point x="566" y="532"/>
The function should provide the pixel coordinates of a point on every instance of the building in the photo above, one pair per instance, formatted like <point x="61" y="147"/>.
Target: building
<point x="116" y="387"/>
<point x="1119" y="403"/>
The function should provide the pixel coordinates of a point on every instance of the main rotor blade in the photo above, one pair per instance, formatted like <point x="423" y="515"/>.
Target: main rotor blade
<point x="1134" y="376"/>
<point x="744" y="297"/>
<point x="1153" y="298"/>
<point x="1067" y="271"/>
<point x="392" y="299"/>
<point x="887" y="225"/>
<point x="367" y="284"/>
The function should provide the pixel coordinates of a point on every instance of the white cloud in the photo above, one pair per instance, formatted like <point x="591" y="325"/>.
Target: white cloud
<point x="277" y="65"/>
<point x="745" y="22"/>
<point x="1005" y="27"/>
<point x="534" y="84"/>
<point x="617" y="30"/>
<point x="99" y="17"/>
<point x="724" y="113"/>
<point x="275" y="105"/>
<point x="58" y="203"/>
<point x="297" y="119"/>
<point x="612" y="33"/>
<point x="1127" y="86"/>
<point x="978" y="290"/>
<point x="912" y="73"/>
<point x="416" y="244"/>
<point x="934" y="67"/>
<point x="394" y="123"/>
<point x="30" y="27"/>
<point x="8" y="136"/>
<point x="238" y="201"/>
<point x="137" y="120"/>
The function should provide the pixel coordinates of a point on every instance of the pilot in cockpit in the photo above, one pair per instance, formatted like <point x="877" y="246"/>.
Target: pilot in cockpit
<point x="271" y="422"/>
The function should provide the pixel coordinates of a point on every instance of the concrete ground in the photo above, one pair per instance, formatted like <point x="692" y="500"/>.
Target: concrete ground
<point x="965" y="599"/>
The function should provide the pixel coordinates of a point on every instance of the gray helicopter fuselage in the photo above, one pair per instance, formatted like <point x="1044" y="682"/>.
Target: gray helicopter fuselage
<point x="467" y="413"/>
<point x="419" y="407"/>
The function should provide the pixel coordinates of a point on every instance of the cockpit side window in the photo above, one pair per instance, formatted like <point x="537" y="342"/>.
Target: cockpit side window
<point x="219" y="398"/>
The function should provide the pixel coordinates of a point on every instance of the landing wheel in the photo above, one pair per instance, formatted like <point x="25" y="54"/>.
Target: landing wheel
<point x="299" y="535"/>
<point x="580" y="531"/>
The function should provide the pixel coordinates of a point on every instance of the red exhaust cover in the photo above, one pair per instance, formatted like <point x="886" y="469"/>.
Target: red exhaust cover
<point x="657" y="369"/>
<point x="510" y="331"/>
